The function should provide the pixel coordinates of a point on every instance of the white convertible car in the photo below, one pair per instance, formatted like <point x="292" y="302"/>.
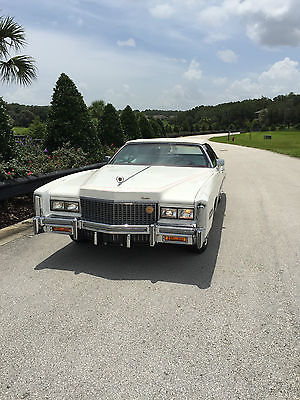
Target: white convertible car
<point x="151" y="191"/>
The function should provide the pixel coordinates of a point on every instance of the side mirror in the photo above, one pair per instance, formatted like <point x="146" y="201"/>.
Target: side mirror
<point x="220" y="162"/>
<point x="107" y="158"/>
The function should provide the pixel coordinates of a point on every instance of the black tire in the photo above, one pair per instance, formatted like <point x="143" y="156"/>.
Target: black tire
<point x="201" y="249"/>
<point x="82" y="237"/>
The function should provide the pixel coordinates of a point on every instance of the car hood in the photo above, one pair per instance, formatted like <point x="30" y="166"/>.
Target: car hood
<point x="142" y="183"/>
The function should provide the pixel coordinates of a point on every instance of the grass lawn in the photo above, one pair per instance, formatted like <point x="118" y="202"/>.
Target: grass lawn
<point x="20" y="130"/>
<point x="284" y="142"/>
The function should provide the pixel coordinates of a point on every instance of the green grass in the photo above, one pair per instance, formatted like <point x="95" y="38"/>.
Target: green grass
<point x="284" y="142"/>
<point x="20" y="130"/>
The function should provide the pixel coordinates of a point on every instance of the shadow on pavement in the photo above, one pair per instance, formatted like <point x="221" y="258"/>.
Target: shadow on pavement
<point x="173" y="263"/>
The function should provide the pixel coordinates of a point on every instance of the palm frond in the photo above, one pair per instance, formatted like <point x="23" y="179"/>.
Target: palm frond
<point x="12" y="35"/>
<point x="18" y="69"/>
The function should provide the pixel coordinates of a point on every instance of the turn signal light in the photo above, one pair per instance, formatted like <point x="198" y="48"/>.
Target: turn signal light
<point x="175" y="239"/>
<point x="61" y="229"/>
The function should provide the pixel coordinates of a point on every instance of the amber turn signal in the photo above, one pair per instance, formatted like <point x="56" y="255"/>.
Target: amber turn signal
<point x="61" y="229"/>
<point x="175" y="239"/>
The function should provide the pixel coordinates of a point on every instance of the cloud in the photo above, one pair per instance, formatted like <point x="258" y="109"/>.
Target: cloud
<point x="126" y="43"/>
<point x="162" y="11"/>
<point x="101" y="72"/>
<point x="270" y="23"/>
<point x="193" y="72"/>
<point x="227" y="56"/>
<point x="181" y="97"/>
<point x="281" y="78"/>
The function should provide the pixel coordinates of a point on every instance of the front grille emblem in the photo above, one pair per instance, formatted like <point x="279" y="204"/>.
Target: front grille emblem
<point x="120" y="179"/>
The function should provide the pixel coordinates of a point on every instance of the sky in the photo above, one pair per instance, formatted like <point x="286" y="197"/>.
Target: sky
<point x="159" y="54"/>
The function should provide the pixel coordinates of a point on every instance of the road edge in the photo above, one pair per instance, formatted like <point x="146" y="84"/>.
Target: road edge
<point x="16" y="231"/>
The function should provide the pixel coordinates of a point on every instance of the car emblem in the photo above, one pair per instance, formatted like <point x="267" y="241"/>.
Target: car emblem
<point x="149" y="209"/>
<point x="120" y="179"/>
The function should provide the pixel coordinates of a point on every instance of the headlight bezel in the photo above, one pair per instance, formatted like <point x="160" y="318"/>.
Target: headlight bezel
<point x="65" y="206"/>
<point x="178" y="211"/>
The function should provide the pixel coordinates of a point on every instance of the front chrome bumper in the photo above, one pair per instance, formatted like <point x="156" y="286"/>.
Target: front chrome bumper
<point x="158" y="233"/>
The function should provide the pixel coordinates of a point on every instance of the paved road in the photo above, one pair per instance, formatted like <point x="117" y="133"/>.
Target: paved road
<point x="163" y="323"/>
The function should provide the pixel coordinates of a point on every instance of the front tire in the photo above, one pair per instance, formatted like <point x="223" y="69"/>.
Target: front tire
<point x="82" y="237"/>
<point x="201" y="249"/>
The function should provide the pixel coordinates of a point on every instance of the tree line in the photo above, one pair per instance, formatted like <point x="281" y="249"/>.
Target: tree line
<point x="262" y="114"/>
<point x="94" y="129"/>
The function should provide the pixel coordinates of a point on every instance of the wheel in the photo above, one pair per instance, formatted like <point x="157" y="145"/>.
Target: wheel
<point x="201" y="249"/>
<point x="82" y="237"/>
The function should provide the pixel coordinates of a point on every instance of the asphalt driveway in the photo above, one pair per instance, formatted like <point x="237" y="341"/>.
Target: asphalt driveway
<point x="85" y="322"/>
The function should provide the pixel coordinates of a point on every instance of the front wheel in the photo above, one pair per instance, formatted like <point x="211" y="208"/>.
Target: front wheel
<point x="201" y="249"/>
<point x="82" y="237"/>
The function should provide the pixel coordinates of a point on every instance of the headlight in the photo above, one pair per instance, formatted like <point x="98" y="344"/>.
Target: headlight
<point x="186" y="213"/>
<point x="72" y="206"/>
<point x="57" y="205"/>
<point x="168" y="212"/>
<point x="177" y="213"/>
<point x="61" y="205"/>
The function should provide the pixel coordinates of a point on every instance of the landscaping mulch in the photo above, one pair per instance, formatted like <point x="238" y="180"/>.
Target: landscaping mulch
<point x="16" y="210"/>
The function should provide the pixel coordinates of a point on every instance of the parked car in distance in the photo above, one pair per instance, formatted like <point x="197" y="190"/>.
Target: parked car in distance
<point x="151" y="191"/>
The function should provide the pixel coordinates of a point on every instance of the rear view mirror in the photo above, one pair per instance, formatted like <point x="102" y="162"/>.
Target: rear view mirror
<point x="107" y="158"/>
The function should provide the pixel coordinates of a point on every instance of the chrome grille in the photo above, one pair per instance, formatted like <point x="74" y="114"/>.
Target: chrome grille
<point x="117" y="213"/>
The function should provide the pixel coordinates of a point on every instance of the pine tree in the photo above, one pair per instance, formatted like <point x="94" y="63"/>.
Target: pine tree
<point x="6" y="134"/>
<point x="69" y="120"/>
<point x="129" y="124"/>
<point x="111" y="133"/>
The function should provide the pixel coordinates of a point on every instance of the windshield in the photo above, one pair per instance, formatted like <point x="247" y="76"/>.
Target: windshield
<point x="166" y="154"/>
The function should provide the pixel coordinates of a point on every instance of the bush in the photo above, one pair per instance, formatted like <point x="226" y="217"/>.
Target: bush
<point x="33" y="159"/>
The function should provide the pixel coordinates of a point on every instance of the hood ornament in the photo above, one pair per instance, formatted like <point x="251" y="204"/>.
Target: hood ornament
<point x="120" y="179"/>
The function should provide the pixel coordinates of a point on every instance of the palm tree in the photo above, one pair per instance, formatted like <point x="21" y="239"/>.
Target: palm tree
<point x="18" y="69"/>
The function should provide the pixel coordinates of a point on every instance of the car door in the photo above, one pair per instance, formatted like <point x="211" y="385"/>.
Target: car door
<point x="219" y="171"/>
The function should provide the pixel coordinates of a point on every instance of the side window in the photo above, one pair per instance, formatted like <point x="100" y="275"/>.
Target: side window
<point x="212" y="154"/>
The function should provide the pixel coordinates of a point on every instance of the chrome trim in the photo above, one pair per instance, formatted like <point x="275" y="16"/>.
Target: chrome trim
<point x="174" y="229"/>
<point x="115" y="229"/>
<point x="37" y="205"/>
<point x="156" y="232"/>
<point x="128" y="242"/>
<point x="36" y="225"/>
<point x="75" y="229"/>
<point x="95" y="238"/>
<point x="152" y="235"/>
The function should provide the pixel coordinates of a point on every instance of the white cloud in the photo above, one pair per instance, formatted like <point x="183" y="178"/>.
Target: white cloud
<point x="268" y="22"/>
<point x="181" y="97"/>
<point x="137" y="78"/>
<point x="227" y="56"/>
<point x="193" y="72"/>
<point x="126" y="43"/>
<point x="162" y="11"/>
<point x="281" y="78"/>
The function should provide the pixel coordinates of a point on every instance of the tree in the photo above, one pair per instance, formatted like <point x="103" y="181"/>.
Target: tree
<point x="111" y="133"/>
<point x="145" y="127"/>
<point x="129" y="124"/>
<point x="6" y="134"/>
<point x="37" y="129"/>
<point x="20" y="68"/>
<point x="69" y="120"/>
<point x="96" y="110"/>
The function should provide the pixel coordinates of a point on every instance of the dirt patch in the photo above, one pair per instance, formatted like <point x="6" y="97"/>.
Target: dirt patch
<point x="16" y="210"/>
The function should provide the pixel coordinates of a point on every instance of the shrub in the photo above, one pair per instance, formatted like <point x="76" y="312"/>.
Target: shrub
<point x="32" y="159"/>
